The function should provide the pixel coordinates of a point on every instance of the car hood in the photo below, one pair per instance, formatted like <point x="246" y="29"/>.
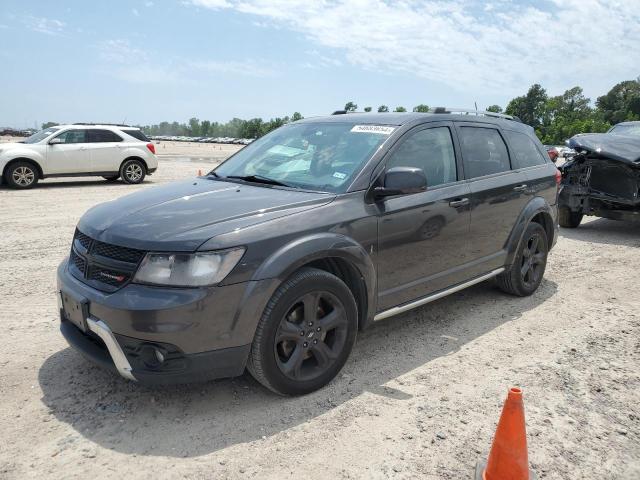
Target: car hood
<point x="182" y="216"/>
<point x="622" y="148"/>
<point x="11" y="145"/>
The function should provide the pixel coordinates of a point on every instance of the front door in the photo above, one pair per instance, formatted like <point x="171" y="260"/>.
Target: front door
<point x="498" y="194"/>
<point x="72" y="155"/>
<point x="423" y="238"/>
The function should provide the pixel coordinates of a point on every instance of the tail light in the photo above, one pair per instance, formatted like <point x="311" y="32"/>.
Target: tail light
<point x="151" y="147"/>
<point x="558" y="177"/>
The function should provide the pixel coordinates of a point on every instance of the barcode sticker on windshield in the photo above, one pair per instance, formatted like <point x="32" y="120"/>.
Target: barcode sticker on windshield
<point x="381" y="129"/>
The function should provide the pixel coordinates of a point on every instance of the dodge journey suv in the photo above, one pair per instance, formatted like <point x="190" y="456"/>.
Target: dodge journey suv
<point x="79" y="150"/>
<point x="277" y="258"/>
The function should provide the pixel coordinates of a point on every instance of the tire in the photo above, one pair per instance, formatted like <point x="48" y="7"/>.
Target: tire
<point x="133" y="171"/>
<point x="111" y="178"/>
<point x="568" y="218"/>
<point x="22" y="175"/>
<point x="305" y="334"/>
<point x="526" y="272"/>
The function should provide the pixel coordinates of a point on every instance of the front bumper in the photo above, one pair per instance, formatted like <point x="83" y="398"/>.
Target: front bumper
<point x="161" y="335"/>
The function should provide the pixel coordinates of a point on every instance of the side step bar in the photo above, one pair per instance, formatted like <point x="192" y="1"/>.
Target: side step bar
<point x="435" y="296"/>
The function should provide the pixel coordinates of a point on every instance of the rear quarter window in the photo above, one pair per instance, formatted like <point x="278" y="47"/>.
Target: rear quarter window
<point x="525" y="152"/>
<point x="137" y="134"/>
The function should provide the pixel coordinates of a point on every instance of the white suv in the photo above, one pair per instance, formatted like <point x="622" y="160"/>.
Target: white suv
<point x="109" y="151"/>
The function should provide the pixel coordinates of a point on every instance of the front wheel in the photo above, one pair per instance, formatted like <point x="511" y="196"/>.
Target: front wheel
<point x="22" y="175"/>
<point x="133" y="171"/>
<point x="305" y="335"/>
<point x="568" y="218"/>
<point x="526" y="272"/>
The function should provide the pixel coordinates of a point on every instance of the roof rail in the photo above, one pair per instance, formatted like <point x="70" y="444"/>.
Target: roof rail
<point x="339" y="112"/>
<point x="105" y="124"/>
<point x="467" y="111"/>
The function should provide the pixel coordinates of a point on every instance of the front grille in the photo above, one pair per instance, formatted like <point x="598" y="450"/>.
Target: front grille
<point x="102" y="265"/>
<point x="123" y="254"/>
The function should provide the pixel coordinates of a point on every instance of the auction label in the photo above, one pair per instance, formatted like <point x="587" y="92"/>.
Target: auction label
<point x="381" y="129"/>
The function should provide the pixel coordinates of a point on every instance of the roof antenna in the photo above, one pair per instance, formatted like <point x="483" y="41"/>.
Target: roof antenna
<point x="476" y="104"/>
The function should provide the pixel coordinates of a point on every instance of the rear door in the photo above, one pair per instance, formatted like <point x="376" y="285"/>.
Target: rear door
<point x="70" y="156"/>
<point x="423" y="238"/>
<point x="498" y="193"/>
<point x="528" y="155"/>
<point x="105" y="150"/>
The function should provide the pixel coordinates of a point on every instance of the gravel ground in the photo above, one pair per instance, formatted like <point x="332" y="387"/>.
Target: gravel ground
<point x="420" y="396"/>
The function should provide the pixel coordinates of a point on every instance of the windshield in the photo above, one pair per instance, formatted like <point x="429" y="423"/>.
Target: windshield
<point x="632" y="129"/>
<point x="313" y="156"/>
<point x="41" y="135"/>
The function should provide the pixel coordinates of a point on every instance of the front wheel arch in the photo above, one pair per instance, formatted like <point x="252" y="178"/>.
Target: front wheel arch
<point x="24" y="159"/>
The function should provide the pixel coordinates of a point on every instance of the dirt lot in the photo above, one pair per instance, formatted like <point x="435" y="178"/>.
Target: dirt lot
<point x="420" y="396"/>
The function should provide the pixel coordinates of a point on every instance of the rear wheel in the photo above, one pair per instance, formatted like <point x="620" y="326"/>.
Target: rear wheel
<point x="305" y="335"/>
<point x="21" y="175"/>
<point x="526" y="272"/>
<point x="111" y="178"/>
<point x="568" y="218"/>
<point x="133" y="171"/>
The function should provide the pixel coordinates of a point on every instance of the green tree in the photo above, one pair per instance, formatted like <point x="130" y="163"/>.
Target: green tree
<point x="421" y="108"/>
<point x="205" y="128"/>
<point x="383" y="109"/>
<point x="400" y="109"/>
<point x="351" y="107"/>
<point x="194" y="127"/>
<point x="367" y="109"/>
<point x="296" y="116"/>
<point x="49" y="124"/>
<point x="530" y="108"/>
<point x="494" y="109"/>
<point x="621" y="103"/>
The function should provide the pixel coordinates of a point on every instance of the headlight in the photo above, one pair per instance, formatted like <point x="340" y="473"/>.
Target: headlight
<point x="187" y="270"/>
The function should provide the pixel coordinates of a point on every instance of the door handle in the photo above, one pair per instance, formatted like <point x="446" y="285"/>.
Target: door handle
<point x="459" y="203"/>
<point x="520" y="188"/>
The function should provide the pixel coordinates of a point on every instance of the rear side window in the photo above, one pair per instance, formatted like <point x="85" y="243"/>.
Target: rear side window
<point x="483" y="152"/>
<point x="432" y="151"/>
<point x="525" y="152"/>
<point x="137" y="134"/>
<point x="103" y="136"/>
<point x="73" y="136"/>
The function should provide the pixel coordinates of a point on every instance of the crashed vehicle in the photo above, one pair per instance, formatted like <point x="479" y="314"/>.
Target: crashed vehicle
<point x="602" y="179"/>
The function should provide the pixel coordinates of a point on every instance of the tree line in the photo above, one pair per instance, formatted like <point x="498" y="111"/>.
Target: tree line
<point x="554" y="118"/>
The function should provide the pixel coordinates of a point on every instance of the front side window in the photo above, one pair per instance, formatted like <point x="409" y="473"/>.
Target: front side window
<point x="432" y="151"/>
<point x="525" y="153"/>
<point x="41" y="135"/>
<point x="483" y="152"/>
<point x="73" y="136"/>
<point x="313" y="156"/>
<point x="103" y="136"/>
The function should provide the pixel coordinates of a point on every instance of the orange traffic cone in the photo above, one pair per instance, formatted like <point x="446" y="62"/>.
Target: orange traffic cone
<point x="508" y="458"/>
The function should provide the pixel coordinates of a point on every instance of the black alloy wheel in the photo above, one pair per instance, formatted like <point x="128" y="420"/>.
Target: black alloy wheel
<point x="311" y="336"/>
<point x="305" y="334"/>
<point x="524" y="275"/>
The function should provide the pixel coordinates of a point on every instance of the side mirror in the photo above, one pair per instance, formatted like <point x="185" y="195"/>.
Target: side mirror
<point x="55" y="141"/>
<point x="402" y="181"/>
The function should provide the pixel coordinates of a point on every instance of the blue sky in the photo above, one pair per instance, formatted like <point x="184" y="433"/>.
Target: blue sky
<point x="144" y="61"/>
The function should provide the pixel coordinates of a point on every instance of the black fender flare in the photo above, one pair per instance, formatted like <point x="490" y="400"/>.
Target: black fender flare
<point x="536" y="205"/>
<point x="281" y="264"/>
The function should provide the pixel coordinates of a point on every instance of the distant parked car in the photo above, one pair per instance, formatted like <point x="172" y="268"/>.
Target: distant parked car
<point x="109" y="151"/>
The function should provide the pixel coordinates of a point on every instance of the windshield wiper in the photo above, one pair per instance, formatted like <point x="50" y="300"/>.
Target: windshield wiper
<point x="259" y="179"/>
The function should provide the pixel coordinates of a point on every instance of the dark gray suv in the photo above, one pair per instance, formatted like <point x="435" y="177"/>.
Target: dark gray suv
<point x="274" y="260"/>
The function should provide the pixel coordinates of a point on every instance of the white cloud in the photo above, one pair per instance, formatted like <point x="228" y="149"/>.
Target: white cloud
<point x="148" y="4"/>
<point x="48" y="26"/>
<point x="121" y="51"/>
<point x="248" y="68"/>
<point x="470" y="44"/>
<point x="135" y="12"/>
